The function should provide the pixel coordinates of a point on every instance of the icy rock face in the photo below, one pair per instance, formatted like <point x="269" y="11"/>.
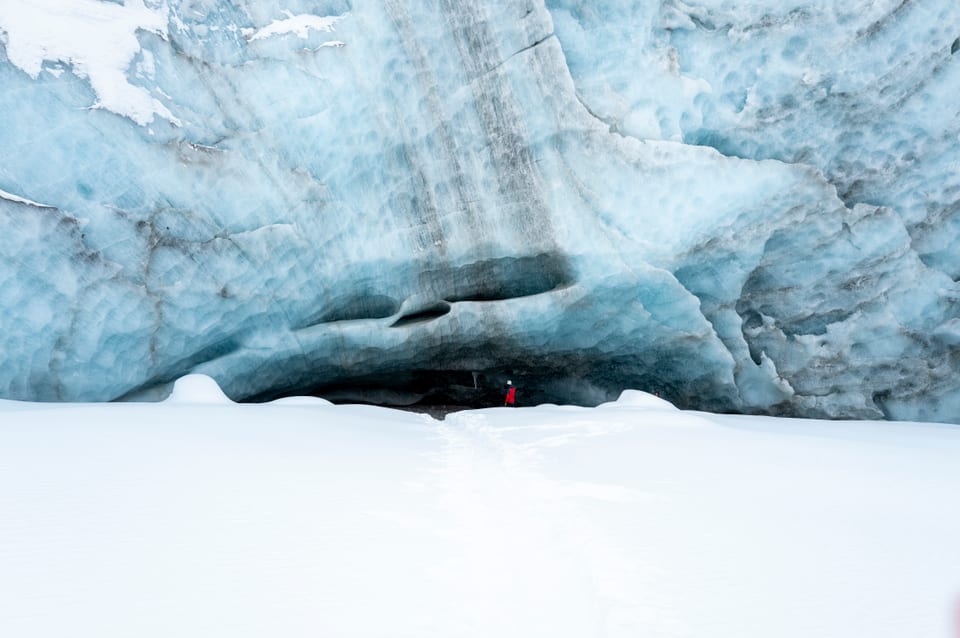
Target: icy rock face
<point x="405" y="200"/>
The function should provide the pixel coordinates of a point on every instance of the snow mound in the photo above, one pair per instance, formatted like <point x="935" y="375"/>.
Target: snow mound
<point x="640" y="399"/>
<point x="197" y="388"/>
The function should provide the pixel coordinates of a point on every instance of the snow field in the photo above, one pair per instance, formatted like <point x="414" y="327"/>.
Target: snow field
<point x="202" y="517"/>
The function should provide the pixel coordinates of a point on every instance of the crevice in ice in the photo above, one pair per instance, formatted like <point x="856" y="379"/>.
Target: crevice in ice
<point x="611" y="124"/>
<point x="516" y="53"/>
<point x="814" y="324"/>
<point x="352" y="308"/>
<point x="880" y="399"/>
<point x="488" y="280"/>
<point x="431" y="312"/>
<point x="955" y="46"/>
<point x="703" y="23"/>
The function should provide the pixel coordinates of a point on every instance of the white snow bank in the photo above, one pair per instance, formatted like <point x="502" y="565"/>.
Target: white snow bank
<point x="298" y="24"/>
<point x="197" y="388"/>
<point x="99" y="41"/>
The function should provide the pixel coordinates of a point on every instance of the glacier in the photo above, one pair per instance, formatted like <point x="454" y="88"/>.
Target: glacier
<point x="747" y="207"/>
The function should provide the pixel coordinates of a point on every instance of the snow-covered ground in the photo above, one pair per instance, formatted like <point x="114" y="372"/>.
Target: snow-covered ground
<point x="199" y="517"/>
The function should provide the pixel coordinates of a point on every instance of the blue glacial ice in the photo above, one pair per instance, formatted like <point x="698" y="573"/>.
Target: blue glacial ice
<point x="746" y="206"/>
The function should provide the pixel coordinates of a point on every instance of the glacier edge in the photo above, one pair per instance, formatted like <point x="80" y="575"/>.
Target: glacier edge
<point x="447" y="196"/>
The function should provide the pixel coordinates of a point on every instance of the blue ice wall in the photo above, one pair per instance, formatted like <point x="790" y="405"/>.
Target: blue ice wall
<point x="748" y="206"/>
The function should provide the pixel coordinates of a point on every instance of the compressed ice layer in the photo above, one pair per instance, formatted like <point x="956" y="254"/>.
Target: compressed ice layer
<point x="446" y="201"/>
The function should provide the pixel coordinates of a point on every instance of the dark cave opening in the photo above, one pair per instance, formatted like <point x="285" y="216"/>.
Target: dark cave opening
<point x="574" y="381"/>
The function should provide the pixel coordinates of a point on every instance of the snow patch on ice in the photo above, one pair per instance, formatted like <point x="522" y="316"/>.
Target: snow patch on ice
<point x="20" y="200"/>
<point x="99" y="41"/>
<point x="299" y="24"/>
<point x="197" y="388"/>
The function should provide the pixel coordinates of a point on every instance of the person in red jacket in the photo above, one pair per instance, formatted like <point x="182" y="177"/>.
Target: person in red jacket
<point x="511" y="394"/>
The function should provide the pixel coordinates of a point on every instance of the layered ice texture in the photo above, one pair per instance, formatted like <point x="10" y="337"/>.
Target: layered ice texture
<point x="746" y="206"/>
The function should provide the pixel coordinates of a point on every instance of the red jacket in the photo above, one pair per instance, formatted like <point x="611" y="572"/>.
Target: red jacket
<point x="511" y="394"/>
